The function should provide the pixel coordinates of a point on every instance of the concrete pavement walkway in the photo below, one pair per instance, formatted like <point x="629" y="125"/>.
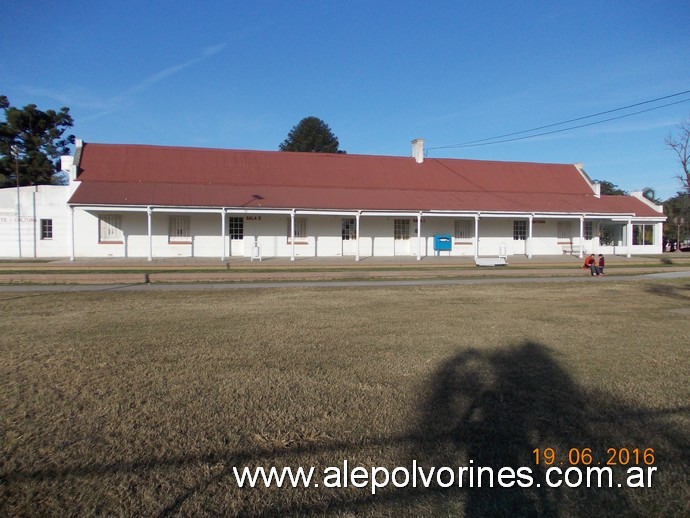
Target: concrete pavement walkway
<point x="186" y="274"/>
<point x="196" y="286"/>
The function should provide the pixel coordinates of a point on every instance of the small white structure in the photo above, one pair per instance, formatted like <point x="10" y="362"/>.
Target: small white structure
<point x="153" y="201"/>
<point x="34" y="221"/>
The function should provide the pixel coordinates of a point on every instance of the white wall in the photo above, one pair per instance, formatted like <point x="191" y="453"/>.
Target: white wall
<point x="269" y="230"/>
<point x="41" y="202"/>
<point x="205" y="229"/>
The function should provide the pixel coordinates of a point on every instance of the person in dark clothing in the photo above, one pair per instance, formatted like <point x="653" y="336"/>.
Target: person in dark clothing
<point x="602" y="263"/>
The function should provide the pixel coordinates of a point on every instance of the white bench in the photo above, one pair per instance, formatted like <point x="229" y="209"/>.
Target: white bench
<point x="490" y="261"/>
<point x="572" y="249"/>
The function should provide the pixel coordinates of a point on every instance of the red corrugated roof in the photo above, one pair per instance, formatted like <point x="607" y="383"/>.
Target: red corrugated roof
<point x="176" y="176"/>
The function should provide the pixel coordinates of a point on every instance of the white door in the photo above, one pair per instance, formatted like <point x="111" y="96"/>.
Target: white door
<point x="349" y="236"/>
<point x="236" y="232"/>
<point x="519" y="237"/>
<point x="401" y="237"/>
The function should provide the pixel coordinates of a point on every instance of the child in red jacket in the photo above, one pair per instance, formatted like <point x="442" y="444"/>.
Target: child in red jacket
<point x="602" y="263"/>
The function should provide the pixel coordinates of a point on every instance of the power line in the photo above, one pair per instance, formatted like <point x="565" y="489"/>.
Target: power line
<point x="493" y="140"/>
<point x="563" y="129"/>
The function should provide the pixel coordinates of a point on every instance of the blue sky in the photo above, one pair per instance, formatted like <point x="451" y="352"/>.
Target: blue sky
<point x="242" y="74"/>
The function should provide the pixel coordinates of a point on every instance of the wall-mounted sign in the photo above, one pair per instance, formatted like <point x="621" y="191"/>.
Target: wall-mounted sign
<point x="13" y="219"/>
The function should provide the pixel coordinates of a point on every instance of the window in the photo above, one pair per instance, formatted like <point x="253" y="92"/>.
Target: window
<point x="179" y="231"/>
<point x="236" y="227"/>
<point x="589" y="230"/>
<point x="300" y="229"/>
<point x="46" y="229"/>
<point x="463" y="229"/>
<point x="110" y="228"/>
<point x="349" y="229"/>
<point x="519" y="230"/>
<point x="564" y="231"/>
<point x="611" y="235"/>
<point x="643" y="234"/>
<point x="401" y="229"/>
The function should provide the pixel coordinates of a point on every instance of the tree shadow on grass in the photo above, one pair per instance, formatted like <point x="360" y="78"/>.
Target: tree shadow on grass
<point x="484" y="409"/>
<point x="672" y="291"/>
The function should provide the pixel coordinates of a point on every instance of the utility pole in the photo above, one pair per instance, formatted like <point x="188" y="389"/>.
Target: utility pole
<point x="15" y="150"/>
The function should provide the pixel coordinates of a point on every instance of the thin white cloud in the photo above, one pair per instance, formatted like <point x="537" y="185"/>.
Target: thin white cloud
<point x="206" y="53"/>
<point x="214" y="49"/>
<point x="126" y="98"/>
<point x="72" y="97"/>
<point x="159" y="76"/>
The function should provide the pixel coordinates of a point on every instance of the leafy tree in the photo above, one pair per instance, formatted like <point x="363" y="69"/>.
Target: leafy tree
<point x="650" y="194"/>
<point x="677" y="210"/>
<point x="313" y="135"/>
<point x="681" y="146"/>
<point x="31" y="143"/>
<point x="609" y="188"/>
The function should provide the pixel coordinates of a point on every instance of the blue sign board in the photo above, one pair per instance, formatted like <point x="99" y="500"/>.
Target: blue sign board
<point x="443" y="242"/>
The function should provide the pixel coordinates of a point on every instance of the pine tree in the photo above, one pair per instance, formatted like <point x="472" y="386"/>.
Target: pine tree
<point x="313" y="135"/>
<point x="32" y="142"/>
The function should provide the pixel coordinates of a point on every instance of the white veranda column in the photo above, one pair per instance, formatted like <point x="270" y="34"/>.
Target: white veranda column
<point x="582" y="237"/>
<point x="70" y="215"/>
<point x="357" y="229"/>
<point x="222" y="233"/>
<point x="148" y="221"/>
<point x="292" y="233"/>
<point x="629" y="230"/>
<point x="419" y="236"/>
<point x="476" y="236"/>
<point x="529" y="242"/>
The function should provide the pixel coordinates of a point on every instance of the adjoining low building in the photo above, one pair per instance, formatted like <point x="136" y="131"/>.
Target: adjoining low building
<point x="34" y="221"/>
<point x="156" y="201"/>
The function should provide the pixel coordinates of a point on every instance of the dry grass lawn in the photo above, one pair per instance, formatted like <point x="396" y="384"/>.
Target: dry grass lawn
<point x="120" y="403"/>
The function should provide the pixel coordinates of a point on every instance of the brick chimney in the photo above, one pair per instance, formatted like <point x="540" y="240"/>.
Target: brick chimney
<point x="418" y="150"/>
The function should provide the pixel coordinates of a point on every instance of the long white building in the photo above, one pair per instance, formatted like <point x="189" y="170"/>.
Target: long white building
<point x="155" y="202"/>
